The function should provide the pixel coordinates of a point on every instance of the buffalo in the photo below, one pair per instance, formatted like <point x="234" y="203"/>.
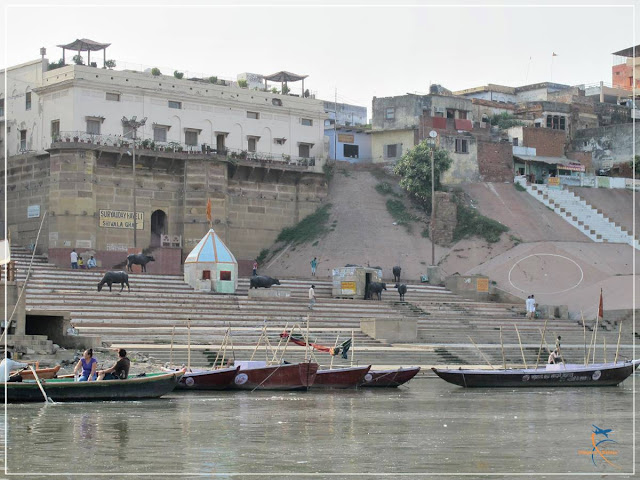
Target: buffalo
<point x="375" y="288"/>
<point x="115" y="277"/>
<point x="396" y="273"/>
<point x="261" y="281"/>
<point x="139" y="259"/>
<point x="402" y="289"/>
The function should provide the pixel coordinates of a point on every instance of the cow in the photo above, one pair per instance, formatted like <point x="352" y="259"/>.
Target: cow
<point x="115" y="277"/>
<point x="261" y="281"/>
<point x="375" y="288"/>
<point x="396" y="273"/>
<point x="402" y="289"/>
<point x="139" y="259"/>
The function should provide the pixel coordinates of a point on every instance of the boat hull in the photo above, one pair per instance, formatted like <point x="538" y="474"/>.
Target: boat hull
<point x="602" y="375"/>
<point x="389" y="378"/>
<point x="43" y="373"/>
<point x="66" y="390"/>
<point x="288" y="376"/>
<point x="207" y="379"/>
<point x="341" y="378"/>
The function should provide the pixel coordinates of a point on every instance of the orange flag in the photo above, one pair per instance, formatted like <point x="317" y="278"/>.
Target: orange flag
<point x="601" y="307"/>
<point x="209" y="210"/>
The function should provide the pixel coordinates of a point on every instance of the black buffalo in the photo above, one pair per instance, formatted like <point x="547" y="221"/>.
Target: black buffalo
<point x="139" y="259"/>
<point x="261" y="281"/>
<point x="396" y="273"/>
<point x="115" y="277"/>
<point x="402" y="289"/>
<point x="375" y="289"/>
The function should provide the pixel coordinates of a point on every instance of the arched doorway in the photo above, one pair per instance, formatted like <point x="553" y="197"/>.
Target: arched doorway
<point x="159" y="227"/>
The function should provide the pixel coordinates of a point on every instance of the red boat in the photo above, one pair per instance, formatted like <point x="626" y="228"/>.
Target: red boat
<point x="207" y="379"/>
<point x="286" y="376"/>
<point x="348" y="377"/>
<point x="389" y="378"/>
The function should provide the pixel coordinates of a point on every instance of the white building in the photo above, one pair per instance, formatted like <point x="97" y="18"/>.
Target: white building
<point x="89" y="103"/>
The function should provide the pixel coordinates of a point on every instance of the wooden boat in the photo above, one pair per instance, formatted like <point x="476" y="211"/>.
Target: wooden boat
<point x="389" y="378"/>
<point x="285" y="376"/>
<point x="43" y="373"/>
<point x="348" y="377"/>
<point x="66" y="390"/>
<point x="558" y="375"/>
<point x="206" y="379"/>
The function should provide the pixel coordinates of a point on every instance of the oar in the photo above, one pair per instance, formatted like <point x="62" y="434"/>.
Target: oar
<point x="35" y="375"/>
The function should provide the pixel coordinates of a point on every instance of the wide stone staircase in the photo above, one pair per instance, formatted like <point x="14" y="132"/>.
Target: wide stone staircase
<point x="162" y="310"/>
<point x="590" y="221"/>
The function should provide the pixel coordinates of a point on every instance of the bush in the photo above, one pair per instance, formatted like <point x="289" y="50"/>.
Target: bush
<point x="263" y="255"/>
<point x="54" y="65"/>
<point x="309" y="228"/>
<point x="213" y="80"/>
<point x="156" y="72"/>
<point x="285" y="89"/>
<point x="519" y="187"/>
<point x="400" y="214"/>
<point x="78" y="60"/>
<point x="178" y="74"/>
<point x="505" y="120"/>
<point x="243" y="83"/>
<point x="329" y="170"/>
<point x="110" y="64"/>
<point x="471" y="223"/>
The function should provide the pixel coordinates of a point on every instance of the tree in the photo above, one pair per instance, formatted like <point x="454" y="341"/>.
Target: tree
<point x="414" y="168"/>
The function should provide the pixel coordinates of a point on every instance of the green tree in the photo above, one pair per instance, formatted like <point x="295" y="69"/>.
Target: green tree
<point x="414" y="168"/>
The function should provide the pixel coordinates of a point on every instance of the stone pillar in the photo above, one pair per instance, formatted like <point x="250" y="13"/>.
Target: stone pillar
<point x="446" y="219"/>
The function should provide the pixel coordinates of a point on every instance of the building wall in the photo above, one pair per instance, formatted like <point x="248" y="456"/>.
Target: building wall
<point x="495" y="161"/>
<point x="347" y="114"/>
<point x="405" y="139"/>
<point x="407" y="111"/>
<point x="584" y="158"/>
<point x="363" y="140"/>
<point x="609" y="146"/>
<point x="547" y="142"/>
<point x="464" y="168"/>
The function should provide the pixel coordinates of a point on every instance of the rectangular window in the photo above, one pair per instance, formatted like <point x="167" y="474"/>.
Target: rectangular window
<point x="549" y="121"/>
<point x="439" y="113"/>
<point x="23" y="140"/>
<point x="55" y="129"/>
<point x="127" y="132"/>
<point x="390" y="113"/>
<point x="279" y="141"/>
<point x="562" y="123"/>
<point x="350" y="151"/>
<point x="93" y="127"/>
<point x="27" y="105"/>
<point x="225" y="276"/>
<point x="159" y="134"/>
<point x="113" y="97"/>
<point x="392" y="151"/>
<point x="254" y="115"/>
<point x="307" y="122"/>
<point x="515" y="141"/>
<point x="173" y="104"/>
<point x="462" y="114"/>
<point x="1" y="107"/>
<point x="451" y="113"/>
<point x="206" y="274"/>
<point x="191" y="137"/>
<point x="462" y="145"/>
<point x="252" y="144"/>
<point x="304" y="150"/>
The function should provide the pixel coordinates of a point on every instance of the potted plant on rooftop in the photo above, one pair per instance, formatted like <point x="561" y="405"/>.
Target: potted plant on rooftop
<point x="178" y="74"/>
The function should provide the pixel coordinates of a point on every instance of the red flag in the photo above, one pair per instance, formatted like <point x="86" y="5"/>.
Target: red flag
<point x="209" y="210"/>
<point x="601" y="307"/>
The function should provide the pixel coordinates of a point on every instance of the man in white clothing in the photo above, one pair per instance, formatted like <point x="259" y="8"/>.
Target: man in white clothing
<point x="74" y="259"/>
<point x="312" y="297"/>
<point x="7" y="365"/>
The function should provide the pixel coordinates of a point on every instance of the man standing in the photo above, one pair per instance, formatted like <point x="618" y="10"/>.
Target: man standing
<point x="533" y="307"/>
<point x="119" y="371"/>
<point x="255" y="268"/>
<point x="74" y="259"/>
<point x="314" y="264"/>
<point x="312" y="297"/>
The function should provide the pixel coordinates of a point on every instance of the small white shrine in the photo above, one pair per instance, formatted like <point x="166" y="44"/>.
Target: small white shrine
<point x="211" y="266"/>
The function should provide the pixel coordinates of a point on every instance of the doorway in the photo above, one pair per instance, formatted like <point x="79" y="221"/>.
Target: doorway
<point x="159" y="227"/>
<point x="220" y="144"/>
<point x="367" y="283"/>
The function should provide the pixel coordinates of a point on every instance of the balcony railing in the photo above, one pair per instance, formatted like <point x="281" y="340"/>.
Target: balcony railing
<point x="146" y="145"/>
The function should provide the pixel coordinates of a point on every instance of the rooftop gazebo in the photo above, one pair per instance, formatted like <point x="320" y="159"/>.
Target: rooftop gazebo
<point x="85" y="45"/>
<point x="284" y="77"/>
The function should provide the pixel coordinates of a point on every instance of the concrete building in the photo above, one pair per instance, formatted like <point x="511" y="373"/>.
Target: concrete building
<point x="257" y="155"/>
<point x="353" y="144"/>
<point x="346" y="114"/>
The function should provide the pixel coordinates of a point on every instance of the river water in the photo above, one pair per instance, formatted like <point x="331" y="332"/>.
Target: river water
<point x="430" y="427"/>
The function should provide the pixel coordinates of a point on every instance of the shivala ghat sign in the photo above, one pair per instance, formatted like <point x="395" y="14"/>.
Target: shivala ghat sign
<point x="121" y="219"/>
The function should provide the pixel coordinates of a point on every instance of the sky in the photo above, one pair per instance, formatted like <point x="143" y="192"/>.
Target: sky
<point x="357" y="50"/>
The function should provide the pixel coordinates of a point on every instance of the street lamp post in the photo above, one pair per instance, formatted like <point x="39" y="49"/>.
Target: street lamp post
<point x="134" y="124"/>
<point x="433" y="134"/>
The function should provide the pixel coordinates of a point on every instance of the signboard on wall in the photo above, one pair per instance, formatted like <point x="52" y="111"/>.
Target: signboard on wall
<point x="348" y="288"/>
<point x="482" y="284"/>
<point x="121" y="219"/>
<point x="33" y="211"/>
<point x="345" y="138"/>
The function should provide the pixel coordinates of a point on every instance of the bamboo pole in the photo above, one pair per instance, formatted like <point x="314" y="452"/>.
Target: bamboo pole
<point x="334" y="351"/>
<point x="274" y="359"/>
<point x="173" y="331"/>
<point x="618" y="346"/>
<point x="595" y="336"/>
<point x="306" y="347"/>
<point x="541" y="342"/>
<point x="188" y="344"/>
<point x="521" y="349"/>
<point x="504" y="361"/>
<point x="284" y="350"/>
<point x="584" y="334"/>
<point x="258" y="343"/>
<point x="604" y="349"/>
<point x="353" y="348"/>
<point x="222" y="347"/>
<point x="480" y="351"/>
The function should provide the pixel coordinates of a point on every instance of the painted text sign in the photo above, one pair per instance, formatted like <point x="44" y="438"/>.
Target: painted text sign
<point x="121" y="219"/>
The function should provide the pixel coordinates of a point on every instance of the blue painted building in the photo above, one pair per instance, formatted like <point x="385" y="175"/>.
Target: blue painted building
<point x="353" y="144"/>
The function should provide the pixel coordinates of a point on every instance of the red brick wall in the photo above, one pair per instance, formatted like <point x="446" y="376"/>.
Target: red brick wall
<point x="495" y="161"/>
<point x="624" y="73"/>
<point x="584" y="158"/>
<point x="168" y="261"/>
<point x="547" y="142"/>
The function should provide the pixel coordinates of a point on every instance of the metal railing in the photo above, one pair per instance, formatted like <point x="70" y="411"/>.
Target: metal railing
<point x="143" y="145"/>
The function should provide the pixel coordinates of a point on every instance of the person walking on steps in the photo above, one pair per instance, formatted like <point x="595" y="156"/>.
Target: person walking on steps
<point x="314" y="265"/>
<point x="312" y="297"/>
<point x="255" y="268"/>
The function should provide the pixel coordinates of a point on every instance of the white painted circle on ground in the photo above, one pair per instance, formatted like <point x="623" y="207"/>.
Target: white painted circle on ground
<point x="241" y="379"/>
<point x="540" y="273"/>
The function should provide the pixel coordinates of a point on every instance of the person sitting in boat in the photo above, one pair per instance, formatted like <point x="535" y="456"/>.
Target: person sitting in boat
<point x="554" y="357"/>
<point x="119" y="371"/>
<point x="6" y="365"/>
<point x="88" y="365"/>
